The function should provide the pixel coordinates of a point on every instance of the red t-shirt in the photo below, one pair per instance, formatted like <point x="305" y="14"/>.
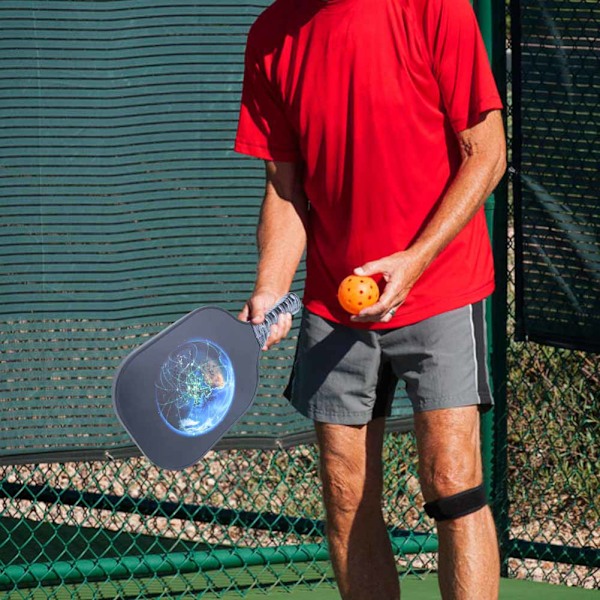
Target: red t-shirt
<point x="369" y="94"/>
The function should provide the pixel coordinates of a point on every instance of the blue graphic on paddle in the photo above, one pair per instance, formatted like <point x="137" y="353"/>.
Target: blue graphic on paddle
<point x="181" y="391"/>
<point x="195" y="387"/>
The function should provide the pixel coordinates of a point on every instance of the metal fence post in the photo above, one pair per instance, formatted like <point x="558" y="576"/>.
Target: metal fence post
<point x="491" y="17"/>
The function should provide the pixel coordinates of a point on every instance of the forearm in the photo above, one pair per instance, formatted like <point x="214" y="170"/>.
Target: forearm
<point x="480" y="171"/>
<point x="474" y="182"/>
<point x="482" y="166"/>
<point x="281" y="234"/>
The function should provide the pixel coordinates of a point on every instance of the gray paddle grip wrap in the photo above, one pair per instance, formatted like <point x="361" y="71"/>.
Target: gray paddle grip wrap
<point x="290" y="303"/>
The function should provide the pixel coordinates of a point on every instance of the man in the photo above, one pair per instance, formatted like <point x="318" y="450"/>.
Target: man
<point x="379" y="123"/>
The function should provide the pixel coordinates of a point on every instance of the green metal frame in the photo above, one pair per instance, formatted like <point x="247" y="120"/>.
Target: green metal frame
<point x="178" y="563"/>
<point x="492" y="22"/>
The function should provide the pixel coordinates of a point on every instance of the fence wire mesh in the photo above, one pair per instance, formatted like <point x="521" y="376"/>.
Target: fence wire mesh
<point x="248" y="518"/>
<point x="123" y="208"/>
<point x="240" y="519"/>
<point x="553" y="465"/>
<point x="553" y="520"/>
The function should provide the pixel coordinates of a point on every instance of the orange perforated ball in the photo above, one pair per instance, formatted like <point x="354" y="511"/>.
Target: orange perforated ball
<point x="356" y="293"/>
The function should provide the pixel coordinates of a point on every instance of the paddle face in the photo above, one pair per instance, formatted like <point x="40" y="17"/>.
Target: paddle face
<point x="180" y="392"/>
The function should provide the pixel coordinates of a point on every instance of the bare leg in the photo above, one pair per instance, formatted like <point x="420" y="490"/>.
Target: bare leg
<point x="352" y="477"/>
<point x="450" y="462"/>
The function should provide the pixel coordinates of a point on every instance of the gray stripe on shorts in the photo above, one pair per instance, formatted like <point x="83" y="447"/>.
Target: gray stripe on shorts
<point x="479" y="340"/>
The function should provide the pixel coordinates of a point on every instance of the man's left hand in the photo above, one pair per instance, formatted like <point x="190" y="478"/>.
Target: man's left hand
<point x="400" y="272"/>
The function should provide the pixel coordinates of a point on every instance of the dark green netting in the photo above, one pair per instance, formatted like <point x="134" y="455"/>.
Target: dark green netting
<point x="549" y="516"/>
<point x="123" y="208"/>
<point x="557" y="158"/>
<point x="117" y="182"/>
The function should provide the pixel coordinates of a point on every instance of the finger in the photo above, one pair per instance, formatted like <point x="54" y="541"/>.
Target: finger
<point x="261" y="303"/>
<point x="389" y="315"/>
<point x="381" y="317"/>
<point x="270" y="340"/>
<point x="285" y="325"/>
<point x="243" y="315"/>
<point x="280" y="330"/>
<point x="383" y="310"/>
<point x="370" y="268"/>
<point x="258" y="309"/>
<point x="273" y="337"/>
<point x="381" y="307"/>
<point x="370" y="316"/>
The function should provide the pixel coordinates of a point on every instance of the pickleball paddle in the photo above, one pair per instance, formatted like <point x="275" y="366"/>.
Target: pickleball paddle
<point x="181" y="391"/>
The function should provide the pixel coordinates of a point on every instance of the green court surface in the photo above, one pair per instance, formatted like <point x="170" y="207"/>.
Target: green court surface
<point x="426" y="588"/>
<point x="413" y="588"/>
<point x="241" y="583"/>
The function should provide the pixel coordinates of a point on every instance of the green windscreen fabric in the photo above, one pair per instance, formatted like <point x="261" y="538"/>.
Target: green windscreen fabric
<point x="123" y="208"/>
<point x="556" y="90"/>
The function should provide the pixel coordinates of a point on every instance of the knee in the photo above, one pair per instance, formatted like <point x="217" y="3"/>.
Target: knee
<point x="440" y="479"/>
<point x="452" y="491"/>
<point x="450" y="468"/>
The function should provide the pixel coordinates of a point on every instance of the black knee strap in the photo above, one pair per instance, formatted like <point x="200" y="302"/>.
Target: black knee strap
<point x="458" y="505"/>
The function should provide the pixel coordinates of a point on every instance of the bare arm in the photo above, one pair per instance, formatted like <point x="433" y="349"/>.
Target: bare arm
<point x="483" y="153"/>
<point x="281" y="238"/>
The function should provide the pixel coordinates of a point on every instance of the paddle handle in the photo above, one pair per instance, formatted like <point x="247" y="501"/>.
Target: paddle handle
<point x="290" y="303"/>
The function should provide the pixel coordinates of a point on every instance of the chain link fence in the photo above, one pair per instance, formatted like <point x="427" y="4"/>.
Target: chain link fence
<point x="240" y="519"/>
<point x="123" y="208"/>
<point x="552" y="526"/>
<point x="243" y="518"/>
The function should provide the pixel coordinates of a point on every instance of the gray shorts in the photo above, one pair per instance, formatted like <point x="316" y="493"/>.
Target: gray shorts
<point x="348" y="376"/>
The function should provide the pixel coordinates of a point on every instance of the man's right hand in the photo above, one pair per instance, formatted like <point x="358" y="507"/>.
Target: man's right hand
<point x="255" y="309"/>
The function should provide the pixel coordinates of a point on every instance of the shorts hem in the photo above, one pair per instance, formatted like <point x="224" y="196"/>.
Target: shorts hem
<point x="338" y="418"/>
<point x="424" y="405"/>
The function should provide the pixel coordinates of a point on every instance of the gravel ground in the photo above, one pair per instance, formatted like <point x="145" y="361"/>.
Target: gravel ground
<point x="277" y="482"/>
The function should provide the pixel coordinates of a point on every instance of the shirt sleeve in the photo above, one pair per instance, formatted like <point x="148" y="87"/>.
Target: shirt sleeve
<point x="460" y="61"/>
<point x="263" y="128"/>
